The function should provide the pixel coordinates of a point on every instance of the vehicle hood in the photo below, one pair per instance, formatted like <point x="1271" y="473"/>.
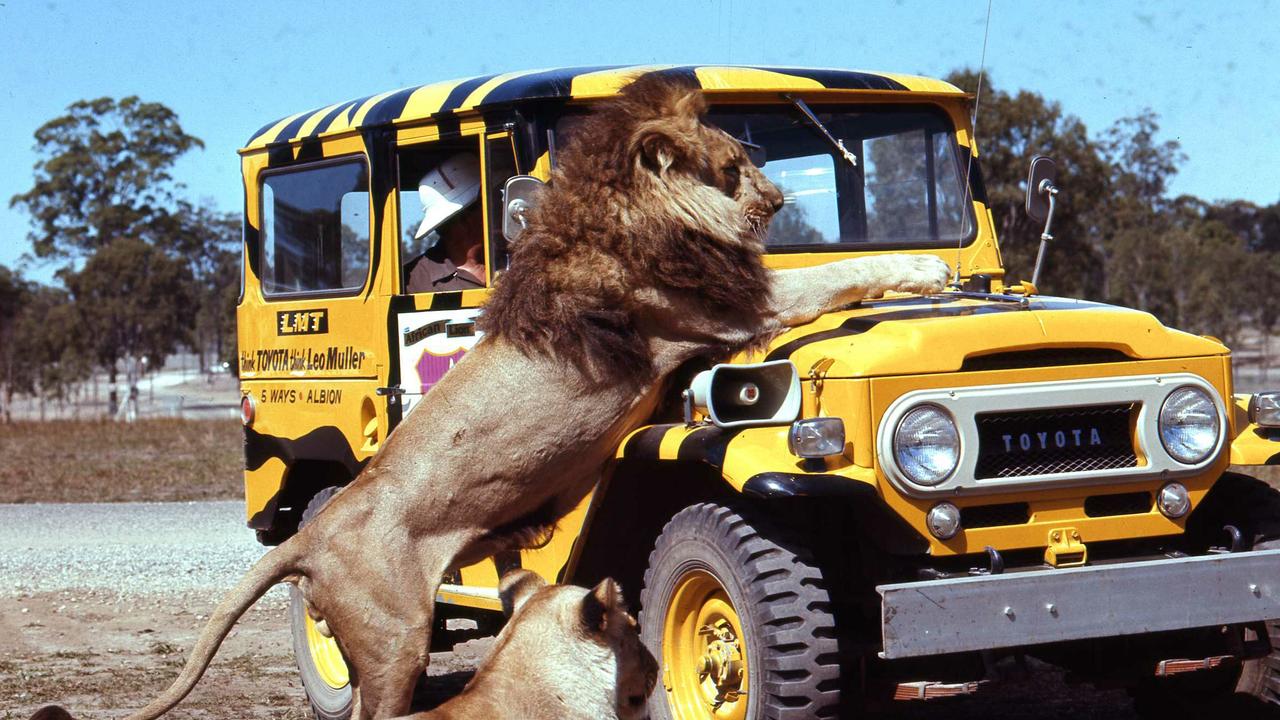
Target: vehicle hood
<point x="913" y="335"/>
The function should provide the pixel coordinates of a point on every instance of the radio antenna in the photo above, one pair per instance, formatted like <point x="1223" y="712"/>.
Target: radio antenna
<point x="973" y="139"/>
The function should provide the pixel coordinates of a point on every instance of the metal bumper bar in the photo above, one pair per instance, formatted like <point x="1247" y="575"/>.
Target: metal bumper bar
<point x="1045" y="606"/>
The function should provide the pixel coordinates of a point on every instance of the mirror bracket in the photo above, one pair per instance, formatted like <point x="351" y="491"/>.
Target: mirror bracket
<point x="1042" y="201"/>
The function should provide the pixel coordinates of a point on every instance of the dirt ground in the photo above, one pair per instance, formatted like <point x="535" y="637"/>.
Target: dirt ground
<point x="101" y="656"/>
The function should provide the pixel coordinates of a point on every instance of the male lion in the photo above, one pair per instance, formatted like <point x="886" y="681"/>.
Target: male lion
<point x="644" y="253"/>
<point x="567" y="653"/>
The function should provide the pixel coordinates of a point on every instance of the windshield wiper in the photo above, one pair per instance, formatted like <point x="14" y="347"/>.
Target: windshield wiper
<point x="822" y="129"/>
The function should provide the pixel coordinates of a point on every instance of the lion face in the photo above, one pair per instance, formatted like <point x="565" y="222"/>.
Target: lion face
<point x="581" y="642"/>
<point x="711" y="184"/>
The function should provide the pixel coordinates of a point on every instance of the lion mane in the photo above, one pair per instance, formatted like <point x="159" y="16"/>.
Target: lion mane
<point x="636" y="200"/>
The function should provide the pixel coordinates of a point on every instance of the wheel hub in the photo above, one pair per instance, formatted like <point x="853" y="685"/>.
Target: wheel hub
<point x="705" y="664"/>
<point x="721" y="663"/>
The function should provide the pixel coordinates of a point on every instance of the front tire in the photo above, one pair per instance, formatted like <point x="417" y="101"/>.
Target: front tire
<point x="320" y="663"/>
<point x="739" y="616"/>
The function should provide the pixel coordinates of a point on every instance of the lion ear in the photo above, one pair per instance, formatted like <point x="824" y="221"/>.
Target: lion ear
<point x="599" y="604"/>
<point x="516" y="587"/>
<point x="654" y="147"/>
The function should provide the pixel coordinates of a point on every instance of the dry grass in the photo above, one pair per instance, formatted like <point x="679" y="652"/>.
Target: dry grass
<point x="102" y="461"/>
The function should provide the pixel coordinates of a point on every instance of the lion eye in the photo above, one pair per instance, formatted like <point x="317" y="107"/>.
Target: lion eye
<point x="732" y="172"/>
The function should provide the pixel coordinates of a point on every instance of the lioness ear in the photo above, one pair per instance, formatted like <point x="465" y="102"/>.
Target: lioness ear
<point x="516" y="587"/>
<point x="599" y="604"/>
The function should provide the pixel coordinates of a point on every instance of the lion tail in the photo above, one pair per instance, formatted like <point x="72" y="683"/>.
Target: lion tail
<point x="271" y="568"/>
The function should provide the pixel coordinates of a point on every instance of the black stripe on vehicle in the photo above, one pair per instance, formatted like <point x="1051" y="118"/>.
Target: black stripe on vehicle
<point x="378" y="144"/>
<point x="327" y="121"/>
<point x="279" y="154"/>
<point x="252" y="242"/>
<point x="287" y="133"/>
<point x="310" y="150"/>
<point x="707" y="444"/>
<point x="388" y="108"/>
<point x="399" y="304"/>
<point x="841" y="79"/>
<point x="447" y="300"/>
<point x="546" y="84"/>
<point x="977" y="187"/>
<point x="859" y="325"/>
<point x="322" y="443"/>
<point x="644" y="444"/>
<point x="771" y="485"/>
<point x="460" y="93"/>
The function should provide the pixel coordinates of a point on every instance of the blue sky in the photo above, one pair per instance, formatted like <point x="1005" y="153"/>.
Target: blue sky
<point x="227" y="68"/>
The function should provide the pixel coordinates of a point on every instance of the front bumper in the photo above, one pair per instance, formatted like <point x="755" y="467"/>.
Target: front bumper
<point x="1046" y="606"/>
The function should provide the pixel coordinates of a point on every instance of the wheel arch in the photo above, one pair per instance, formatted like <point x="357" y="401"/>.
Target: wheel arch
<point x="629" y="512"/>
<point x="302" y="480"/>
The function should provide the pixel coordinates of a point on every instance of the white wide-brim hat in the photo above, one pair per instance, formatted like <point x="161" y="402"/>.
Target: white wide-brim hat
<point x="447" y="188"/>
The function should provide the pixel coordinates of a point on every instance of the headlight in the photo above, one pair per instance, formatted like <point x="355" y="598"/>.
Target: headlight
<point x="926" y="445"/>
<point x="1189" y="425"/>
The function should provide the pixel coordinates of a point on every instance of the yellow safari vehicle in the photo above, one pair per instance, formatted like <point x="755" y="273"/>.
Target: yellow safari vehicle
<point x="889" y="503"/>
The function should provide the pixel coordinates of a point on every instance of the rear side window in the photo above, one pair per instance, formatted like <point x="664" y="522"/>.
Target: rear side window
<point x="315" y="225"/>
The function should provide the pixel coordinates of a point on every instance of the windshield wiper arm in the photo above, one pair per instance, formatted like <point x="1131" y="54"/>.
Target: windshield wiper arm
<point x="822" y="129"/>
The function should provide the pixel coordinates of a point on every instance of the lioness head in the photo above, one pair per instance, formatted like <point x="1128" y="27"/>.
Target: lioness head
<point x="575" y="644"/>
<point x="645" y="194"/>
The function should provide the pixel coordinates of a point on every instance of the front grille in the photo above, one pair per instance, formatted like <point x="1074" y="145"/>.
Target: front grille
<point x="1054" y="440"/>
<point x="983" y="516"/>
<point x="1134" y="503"/>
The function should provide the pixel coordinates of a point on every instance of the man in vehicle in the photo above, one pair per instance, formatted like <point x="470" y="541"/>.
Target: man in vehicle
<point x="454" y="259"/>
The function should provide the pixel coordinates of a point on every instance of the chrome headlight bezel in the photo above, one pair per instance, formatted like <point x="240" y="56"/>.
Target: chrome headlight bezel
<point x="943" y="420"/>
<point x="1173" y="436"/>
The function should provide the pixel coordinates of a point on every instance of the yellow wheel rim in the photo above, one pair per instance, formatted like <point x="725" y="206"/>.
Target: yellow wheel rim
<point x="326" y="657"/>
<point x="704" y="653"/>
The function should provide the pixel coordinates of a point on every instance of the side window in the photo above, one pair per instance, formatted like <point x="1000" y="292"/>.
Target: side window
<point x="315" y="229"/>
<point x="441" y="218"/>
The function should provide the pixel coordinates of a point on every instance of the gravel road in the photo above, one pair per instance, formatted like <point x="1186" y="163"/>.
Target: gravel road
<point x="130" y="548"/>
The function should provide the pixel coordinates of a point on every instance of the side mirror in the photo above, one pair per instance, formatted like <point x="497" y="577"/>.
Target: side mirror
<point x="1042" y="193"/>
<point x="518" y="195"/>
<point x="1042" y="182"/>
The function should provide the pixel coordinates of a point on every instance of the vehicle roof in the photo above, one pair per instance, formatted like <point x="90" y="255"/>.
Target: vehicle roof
<point x="442" y="98"/>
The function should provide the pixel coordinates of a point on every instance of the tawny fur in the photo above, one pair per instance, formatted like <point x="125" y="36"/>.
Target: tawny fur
<point x="566" y="654"/>
<point x="645" y="253"/>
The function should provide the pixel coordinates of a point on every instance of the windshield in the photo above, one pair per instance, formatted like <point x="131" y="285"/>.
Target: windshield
<point x="900" y="185"/>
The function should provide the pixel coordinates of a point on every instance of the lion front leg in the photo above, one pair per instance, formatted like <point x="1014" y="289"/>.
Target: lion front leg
<point x="802" y="294"/>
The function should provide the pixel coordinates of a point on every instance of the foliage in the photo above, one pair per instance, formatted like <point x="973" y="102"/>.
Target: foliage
<point x="1118" y="236"/>
<point x="47" y="344"/>
<point x="103" y="174"/>
<point x="137" y="299"/>
<point x="13" y="298"/>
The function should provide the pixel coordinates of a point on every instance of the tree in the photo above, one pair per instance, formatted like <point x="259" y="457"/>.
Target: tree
<point x="136" y="301"/>
<point x="13" y="297"/>
<point x="1013" y="129"/>
<point x="209" y="241"/>
<point x="103" y="175"/>
<point x="48" y="355"/>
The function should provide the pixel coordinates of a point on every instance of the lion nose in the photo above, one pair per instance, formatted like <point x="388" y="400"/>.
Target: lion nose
<point x="775" y="197"/>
